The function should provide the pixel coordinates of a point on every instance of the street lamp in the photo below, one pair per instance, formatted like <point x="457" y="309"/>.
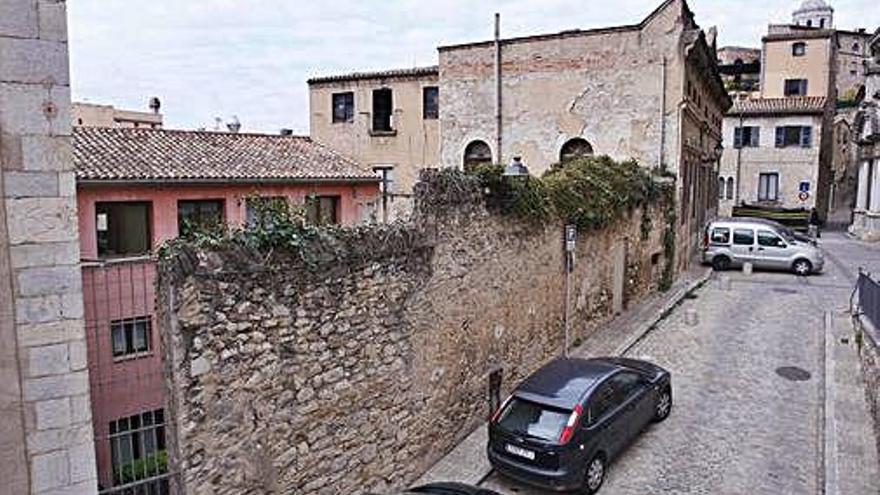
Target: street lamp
<point x="516" y="168"/>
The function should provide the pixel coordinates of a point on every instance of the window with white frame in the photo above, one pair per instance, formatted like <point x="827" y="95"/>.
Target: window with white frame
<point x="130" y="337"/>
<point x="768" y="187"/>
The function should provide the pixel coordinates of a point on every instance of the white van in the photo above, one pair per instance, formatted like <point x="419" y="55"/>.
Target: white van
<point x="732" y="242"/>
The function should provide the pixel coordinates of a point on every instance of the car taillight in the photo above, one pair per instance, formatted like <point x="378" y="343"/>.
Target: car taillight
<point x="497" y="412"/>
<point x="568" y="431"/>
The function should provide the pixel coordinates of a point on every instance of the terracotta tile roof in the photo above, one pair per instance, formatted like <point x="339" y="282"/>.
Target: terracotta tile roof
<point x="385" y="74"/>
<point x="162" y="155"/>
<point x="776" y="106"/>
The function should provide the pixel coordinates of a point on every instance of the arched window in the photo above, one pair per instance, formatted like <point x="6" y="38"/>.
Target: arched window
<point x="855" y="47"/>
<point x="721" y="188"/>
<point x="574" y="149"/>
<point x="477" y="153"/>
<point x="729" y="192"/>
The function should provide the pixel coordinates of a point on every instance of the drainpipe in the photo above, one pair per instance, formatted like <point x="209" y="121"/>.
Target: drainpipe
<point x="661" y="157"/>
<point x="498" y="119"/>
<point x="739" y="154"/>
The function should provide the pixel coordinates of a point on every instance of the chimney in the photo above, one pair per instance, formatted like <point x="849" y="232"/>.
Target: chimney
<point x="287" y="132"/>
<point x="233" y="125"/>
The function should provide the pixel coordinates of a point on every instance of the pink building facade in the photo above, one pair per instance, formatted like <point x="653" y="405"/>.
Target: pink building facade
<point x="127" y="209"/>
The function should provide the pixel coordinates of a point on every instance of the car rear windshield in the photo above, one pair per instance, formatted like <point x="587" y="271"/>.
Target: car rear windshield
<point x="533" y="420"/>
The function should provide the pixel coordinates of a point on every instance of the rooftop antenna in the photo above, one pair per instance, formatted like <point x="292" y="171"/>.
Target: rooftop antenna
<point x="155" y="104"/>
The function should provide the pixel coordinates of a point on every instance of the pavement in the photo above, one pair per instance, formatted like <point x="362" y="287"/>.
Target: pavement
<point x="768" y="391"/>
<point x="467" y="462"/>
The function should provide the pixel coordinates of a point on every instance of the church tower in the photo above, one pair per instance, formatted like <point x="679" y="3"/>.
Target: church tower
<point x="815" y="14"/>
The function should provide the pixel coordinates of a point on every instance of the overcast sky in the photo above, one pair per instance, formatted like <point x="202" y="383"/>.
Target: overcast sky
<point x="209" y="58"/>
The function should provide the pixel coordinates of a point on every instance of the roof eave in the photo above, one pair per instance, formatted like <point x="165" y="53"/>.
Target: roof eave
<point x="91" y="181"/>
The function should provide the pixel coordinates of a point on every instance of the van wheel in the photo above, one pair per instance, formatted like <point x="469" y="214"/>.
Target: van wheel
<point x="664" y="405"/>
<point x="595" y="475"/>
<point x="802" y="267"/>
<point x="721" y="263"/>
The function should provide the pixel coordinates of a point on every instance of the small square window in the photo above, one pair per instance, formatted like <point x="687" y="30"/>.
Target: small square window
<point x="199" y="216"/>
<point x="343" y="107"/>
<point x="322" y="210"/>
<point x="131" y="336"/>
<point x="799" y="49"/>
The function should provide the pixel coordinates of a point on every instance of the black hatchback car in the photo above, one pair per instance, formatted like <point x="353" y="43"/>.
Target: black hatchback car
<point x="562" y="426"/>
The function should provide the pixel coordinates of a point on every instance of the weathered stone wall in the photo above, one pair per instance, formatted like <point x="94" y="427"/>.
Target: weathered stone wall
<point x="357" y="372"/>
<point x="870" y="354"/>
<point x="45" y="421"/>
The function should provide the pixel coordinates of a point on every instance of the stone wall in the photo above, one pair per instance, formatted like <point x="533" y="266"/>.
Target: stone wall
<point x="358" y="370"/>
<point x="45" y="422"/>
<point x="870" y="354"/>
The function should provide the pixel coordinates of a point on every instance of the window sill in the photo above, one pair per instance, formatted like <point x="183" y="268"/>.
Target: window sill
<point x="117" y="260"/>
<point x="390" y="133"/>
<point x="132" y="357"/>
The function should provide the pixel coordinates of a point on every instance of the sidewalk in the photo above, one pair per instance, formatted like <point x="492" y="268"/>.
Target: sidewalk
<point x="467" y="462"/>
<point x="851" y="464"/>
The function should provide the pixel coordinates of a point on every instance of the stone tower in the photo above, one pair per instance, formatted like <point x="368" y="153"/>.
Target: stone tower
<point x="814" y="13"/>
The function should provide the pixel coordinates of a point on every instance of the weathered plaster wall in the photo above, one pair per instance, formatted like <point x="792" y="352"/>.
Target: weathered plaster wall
<point x="356" y="374"/>
<point x="793" y="164"/>
<point x="414" y="145"/>
<point x="45" y="422"/>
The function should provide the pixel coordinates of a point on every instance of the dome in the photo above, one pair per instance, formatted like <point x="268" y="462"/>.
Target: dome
<point x="812" y="6"/>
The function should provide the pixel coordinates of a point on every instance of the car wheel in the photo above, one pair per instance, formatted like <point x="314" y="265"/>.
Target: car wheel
<point x="802" y="267"/>
<point x="595" y="475"/>
<point x="720" y="263"/>
<point x="664" y="405"/>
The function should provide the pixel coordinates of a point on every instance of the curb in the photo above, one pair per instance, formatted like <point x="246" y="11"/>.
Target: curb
<point x="829" y="473"/>
<point x="645" y="328"/>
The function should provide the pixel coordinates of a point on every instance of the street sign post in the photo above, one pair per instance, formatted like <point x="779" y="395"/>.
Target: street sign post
<point x="570" y="246"/>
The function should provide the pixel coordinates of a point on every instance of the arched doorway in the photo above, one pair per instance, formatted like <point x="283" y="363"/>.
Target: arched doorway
<point x="574" y="149"/>
<point x="476" y="154"/>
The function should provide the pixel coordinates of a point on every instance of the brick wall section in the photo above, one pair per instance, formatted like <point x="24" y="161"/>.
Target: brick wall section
<point x="46" y="434"/>
<point x="355" y="376"/>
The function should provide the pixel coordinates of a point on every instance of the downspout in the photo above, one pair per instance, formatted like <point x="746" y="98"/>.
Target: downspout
<point x="498" y="108"/>
<point x="739" y="154"/>
<point x="661" y="164"/>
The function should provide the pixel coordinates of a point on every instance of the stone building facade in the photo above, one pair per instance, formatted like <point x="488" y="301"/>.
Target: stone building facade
<point x="387" y="121"/>
<point x="46" y="435"/>
<point x="759" y="170"/>
<point x="355" y="373"/>
<point x="649" y="91"/>
<point x="740" y="70"/>
<point x="866" y="214"/>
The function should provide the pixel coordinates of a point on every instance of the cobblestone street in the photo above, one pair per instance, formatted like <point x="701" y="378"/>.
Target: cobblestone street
<point x="738" y="426"/>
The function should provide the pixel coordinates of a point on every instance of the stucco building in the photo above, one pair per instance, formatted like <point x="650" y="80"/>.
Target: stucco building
<point x="138" y="188"/>
<point x="801" y="61"/>
<point x="94" y="115"/>
<point x="386" y="120"/>
<point x="866" y="214"/>
<point x="649" y="91"/>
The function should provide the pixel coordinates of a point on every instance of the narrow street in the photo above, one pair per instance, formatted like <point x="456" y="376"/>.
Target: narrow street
<point x="740" y="426"/>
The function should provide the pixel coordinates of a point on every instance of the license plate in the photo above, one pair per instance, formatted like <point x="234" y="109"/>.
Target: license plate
<point x="528" y="454"/>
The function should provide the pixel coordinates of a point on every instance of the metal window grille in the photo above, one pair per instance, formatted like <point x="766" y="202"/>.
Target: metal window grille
<point x="126" y="389"/>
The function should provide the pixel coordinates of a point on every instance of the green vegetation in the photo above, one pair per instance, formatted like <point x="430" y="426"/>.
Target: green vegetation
<point x="143" y="468"/>
<point x="592" y="193"/>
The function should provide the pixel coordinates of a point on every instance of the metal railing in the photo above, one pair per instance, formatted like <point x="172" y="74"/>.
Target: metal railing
<point x="869" y="298"/>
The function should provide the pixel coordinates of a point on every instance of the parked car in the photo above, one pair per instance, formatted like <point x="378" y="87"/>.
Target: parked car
<point x="732" y="242"/>
<point x="448" y="488"/>
<point x="564" y="424"/>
